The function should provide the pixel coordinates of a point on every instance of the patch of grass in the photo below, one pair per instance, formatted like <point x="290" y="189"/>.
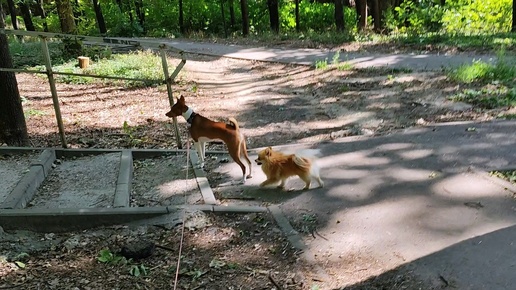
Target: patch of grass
<point x="34" y="113"/>
<point x="509" y="175"/>
<point x="143" y="65"/>
<point x="321" y="64"/>
<point x="488" y="98"/>
<point x="472" y="72"/>
<point x="29" y="53"/>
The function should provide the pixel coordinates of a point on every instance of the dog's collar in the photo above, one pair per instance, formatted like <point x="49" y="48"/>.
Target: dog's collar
<point x="189" y="115"/>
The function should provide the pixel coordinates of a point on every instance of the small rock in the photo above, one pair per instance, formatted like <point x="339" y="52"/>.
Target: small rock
<point x="138" y="249"/>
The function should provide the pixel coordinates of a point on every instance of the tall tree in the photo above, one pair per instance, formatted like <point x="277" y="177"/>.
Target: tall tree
<point x="13" y="129"/>
<point x="182" y="28"/>
<point x="377" y="19"/>
<point x="245" y="17"/>
<point x="140" y="13"/>
<point x="232" y="20"/>
<point x="26" y="14"/>
<point x="100" y="17"/>
<point x="339" y="15"/>
<point x="12" y="12"/>
<point x="65" y="12"/>
<point x="361" y="7"/>
<point x="43" y="14"/>
<point x="273" y="6"/>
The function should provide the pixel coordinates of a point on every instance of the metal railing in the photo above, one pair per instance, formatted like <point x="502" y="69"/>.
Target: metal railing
<point x="107" y="41"/>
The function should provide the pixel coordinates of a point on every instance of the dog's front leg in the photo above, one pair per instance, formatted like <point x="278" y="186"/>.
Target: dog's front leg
<point x="268" y="182"/>
<point x="198" y="147"/>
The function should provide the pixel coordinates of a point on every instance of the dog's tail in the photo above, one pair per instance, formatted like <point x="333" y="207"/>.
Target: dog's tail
<point x="311" y="154"/>
<point x="234" y="122"/>
<point x="306" y="158"/>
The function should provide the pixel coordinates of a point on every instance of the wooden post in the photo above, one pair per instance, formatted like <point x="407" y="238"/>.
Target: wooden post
<point x="84" y="61"/>
<point x="168" y="81"/>
<point x="53" y="90"/>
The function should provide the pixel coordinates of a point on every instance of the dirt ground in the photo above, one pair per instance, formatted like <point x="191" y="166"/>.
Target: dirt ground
<point x="274" y="104"/>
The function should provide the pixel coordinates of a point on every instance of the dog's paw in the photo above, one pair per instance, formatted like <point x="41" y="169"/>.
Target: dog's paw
<point x="249" y="176"/>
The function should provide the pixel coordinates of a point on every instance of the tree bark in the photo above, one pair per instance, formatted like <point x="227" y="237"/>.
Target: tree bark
<point x="377" y="18"/>
<point x="223" y="15"/>
<point x="100" y="17"/>
<point x="26" y="14"/>
<point x="245" y="18"/>
<point x="273" y="15"/>
<point x="339" y="15"/>
<point x="232" y="20"/>
<point x="13" y="129"/>
<point x="65" y="12"/>
<point x="43" y="15"/>
<point x="12" y="12"/>
<point x="140" y="13"/>
<point x="361" y="7"/>
<point x="181" y="18"/>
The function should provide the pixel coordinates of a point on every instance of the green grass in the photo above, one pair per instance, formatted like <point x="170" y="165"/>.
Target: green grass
<point x="498" y="83"/>
<point x="509" y="175"/>
<point x="29" y="53"/>
<point x="139" y="65"/>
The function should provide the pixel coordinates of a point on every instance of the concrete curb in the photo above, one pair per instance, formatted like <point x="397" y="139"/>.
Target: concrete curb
<point x="296" y="241"/>
<point x="24" y="191"/>
<point x="202" y="181"/>
<point x="67" y="219"/>
<point x="124" y="180"/>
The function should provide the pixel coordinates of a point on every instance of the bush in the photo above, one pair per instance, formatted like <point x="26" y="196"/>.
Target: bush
<point x="478" y="16"/>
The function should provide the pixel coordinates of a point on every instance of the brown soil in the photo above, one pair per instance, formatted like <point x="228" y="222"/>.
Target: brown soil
<point x="274" y="104"/>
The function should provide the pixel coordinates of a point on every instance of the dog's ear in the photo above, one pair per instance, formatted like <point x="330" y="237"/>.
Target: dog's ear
<point x="268" y="151"/>
<point x="181" y="99"/>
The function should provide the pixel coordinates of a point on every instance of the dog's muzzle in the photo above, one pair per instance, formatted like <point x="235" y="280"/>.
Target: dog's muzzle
<point x="258" y="162"/>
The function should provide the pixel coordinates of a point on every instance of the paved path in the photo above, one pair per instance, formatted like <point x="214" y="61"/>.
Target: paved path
<point x="419" y="199"/>
<point x="415" y="62"/>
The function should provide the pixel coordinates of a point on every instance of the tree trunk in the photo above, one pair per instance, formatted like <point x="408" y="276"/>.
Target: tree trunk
<point x="339" y="15"/>
<point x="245" y="18"/>
<point x="361" y="7"/>
<point x="232" y="20"/>
<point x="65" y="12"/>
<point x="140" y="13"/>
<point x="273" y="15"/>
<point x="377" y="18"/>
<point x="223" y="15"/>
<point x="12" y="12"/>
<point x="181" y="18"/>
<point x="100" y="17"/>
<point x="298" y="25"/>
<point x="13" y="129"/>
<point x="43" y="15"/>
<point x="27" y="18"/>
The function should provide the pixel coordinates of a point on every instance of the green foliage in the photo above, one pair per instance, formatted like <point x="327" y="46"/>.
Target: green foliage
<point x="477" y="16"/>
<point x="321" y="64"/>
<point x="509" y="175"/>
<point x="108" y="257"/>
<point x="29" y="53"/>
<point x="489" y="97"/>
<point x="138" y="270"/>
<point x="143" y="65"/>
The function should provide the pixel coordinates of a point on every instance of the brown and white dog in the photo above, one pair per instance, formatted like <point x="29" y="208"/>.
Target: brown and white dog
<point x="278" y="167"/>
<point x="203" y="130"/>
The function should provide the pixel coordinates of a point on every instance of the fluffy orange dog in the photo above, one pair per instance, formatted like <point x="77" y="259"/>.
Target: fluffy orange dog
<point x="278" y="166"/>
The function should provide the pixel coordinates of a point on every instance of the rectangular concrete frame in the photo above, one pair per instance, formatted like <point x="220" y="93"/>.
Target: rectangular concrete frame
<point x="15" y="217"/>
